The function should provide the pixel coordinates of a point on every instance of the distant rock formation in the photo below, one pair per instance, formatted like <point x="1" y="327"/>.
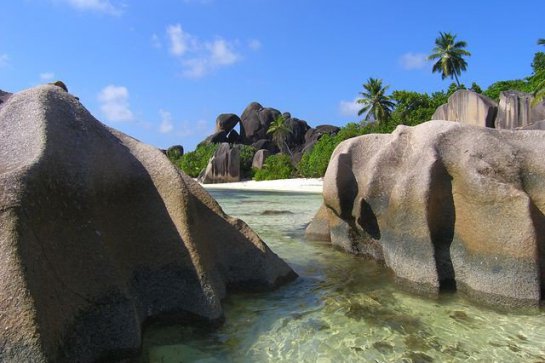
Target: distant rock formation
<point x="443" y="204"/>
<point x="4" y="96"/>
<point x="515" y="110"/>
<point x="175" y="151"/>
<point x="254" y="123"/>
<point x="100" y="232"/>
<point x="259" y="158"/>
<point x="468" y="107"/>
<point x="223" y="167"/>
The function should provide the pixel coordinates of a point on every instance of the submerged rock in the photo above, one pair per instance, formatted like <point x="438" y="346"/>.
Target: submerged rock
<point x="443" y="203"/>
<point x="100" y="233"/>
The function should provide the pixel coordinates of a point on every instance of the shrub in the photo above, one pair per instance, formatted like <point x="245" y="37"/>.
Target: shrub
<point x="514" y="85"/>
<point x="246" y="158"/>
<point x="276" y="166"/>
<point x="192" y="163"/>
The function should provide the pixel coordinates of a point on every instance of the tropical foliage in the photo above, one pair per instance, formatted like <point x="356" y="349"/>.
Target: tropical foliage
<point x="280" y="129"/>
<point x="449" y="54"/>
<point x="276" y="166"/>
<point x="377" y="106"/>
<point x="192" y="163"/>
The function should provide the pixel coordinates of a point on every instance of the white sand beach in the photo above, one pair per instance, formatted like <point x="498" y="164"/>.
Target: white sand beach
<point x="285" y="185"/>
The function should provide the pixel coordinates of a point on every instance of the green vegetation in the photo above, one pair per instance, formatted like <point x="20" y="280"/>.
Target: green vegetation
<point x="279" y="129"/>
<point x="386" y="112"/>
<point x="276" y="166"/>
<point x="377" y="106"/>
<point x="246" y="157"/>
<point x="192" y="163"/>
<point x="450" y="56"/>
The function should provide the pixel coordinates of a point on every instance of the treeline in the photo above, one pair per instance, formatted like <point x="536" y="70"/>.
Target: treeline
<point x="381" y="112"/>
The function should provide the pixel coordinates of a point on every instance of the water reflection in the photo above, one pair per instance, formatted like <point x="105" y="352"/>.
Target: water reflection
<point x="341" y="309"/>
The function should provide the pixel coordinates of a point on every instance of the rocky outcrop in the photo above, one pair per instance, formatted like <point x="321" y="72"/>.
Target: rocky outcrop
<point x="255" y="121"/>
<point x="259" y="158"/>
<point x="100" y="233"/>
<point x="223" y="167"/>
<point x="443" y="204"/>
<point x="4" y="96"/>
<point x="175" y="151"/>
<point x="515" y="110"/>
<point x="468" y="107"/>
<point x="226" y="122"/>
<point x="539" y="125"/>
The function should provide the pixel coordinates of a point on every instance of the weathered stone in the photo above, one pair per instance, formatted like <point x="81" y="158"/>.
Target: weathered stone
<point x="298" y="131"/>
<point x="444" y="203"/>
<point x="223" y="167"/>
<point x="215" y="138"/>
<point x="265" y="144"/>
<point x="175" y="151"/>
<point x="255" y="121"/>
<point x="226" y="122"/>
<point x="539" y="125"/>
<point x="515" y="110"/>
<point x="469" y="108"/>
<point x="259" y="158"/>
<point x="4" y="96"/>
<point x="233" y="137"/>
<point x="100" y="233"/>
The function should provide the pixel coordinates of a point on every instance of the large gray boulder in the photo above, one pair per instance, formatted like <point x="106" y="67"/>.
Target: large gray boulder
<point x="469" y="108"/>
<point x="226" y="122"/>
<point x="223" y="167"/>
<point x="443" y="204"/>
<point x="100" y="233"/>
<point x="515" y="110"/>
<point x="259" y="158"/>
<point x="255" y="121"/>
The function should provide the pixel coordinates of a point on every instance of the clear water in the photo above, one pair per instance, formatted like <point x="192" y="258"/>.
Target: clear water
<point x="341" y="309"/>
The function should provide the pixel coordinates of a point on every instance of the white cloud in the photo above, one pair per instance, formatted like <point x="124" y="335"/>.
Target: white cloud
<point x="4" y="60"/>
<point x="197" y="57"/>
<point x="221" y="52"/>
<point x="156" y="42"/>
<point x="349" y="108"/>
<point x="254" y="44"/>
<point x="166" y="125"/>
<point x="114" y="103"/>
<point x="410" y="61"/>
<point x="47" y="76"/>
<point x="180" y="41"/>
<point x="103" y="6"/>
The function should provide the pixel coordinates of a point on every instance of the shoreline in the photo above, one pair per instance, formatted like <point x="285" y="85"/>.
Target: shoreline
<point x="299" y="185"/>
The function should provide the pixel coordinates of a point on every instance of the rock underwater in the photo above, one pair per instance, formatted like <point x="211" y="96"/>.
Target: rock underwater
<point x="443" y="204"/>
<point x="100" y="233"/>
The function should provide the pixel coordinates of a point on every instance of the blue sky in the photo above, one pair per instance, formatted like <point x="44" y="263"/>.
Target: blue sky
<point x="161" y="71"/>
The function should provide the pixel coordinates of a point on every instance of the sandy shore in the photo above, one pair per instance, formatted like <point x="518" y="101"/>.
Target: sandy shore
<point x="283" y="185"/>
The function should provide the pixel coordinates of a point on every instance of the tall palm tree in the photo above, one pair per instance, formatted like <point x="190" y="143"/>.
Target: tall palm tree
<point x="541" y="41"/>
<point x="450" y="56"/>
<point x="280" y="129"/>
<point x="376" y="104"/>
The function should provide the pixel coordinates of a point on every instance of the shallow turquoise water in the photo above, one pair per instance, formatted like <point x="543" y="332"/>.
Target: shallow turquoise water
<point x="341" y="309"/>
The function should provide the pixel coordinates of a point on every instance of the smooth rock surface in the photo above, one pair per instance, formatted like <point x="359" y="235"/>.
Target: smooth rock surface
<point x="223" y="167"/>
<point x="255" y="121"/>
<point x="469" y="108"/>
<point x="100" y="233"/>
<point x="443" y="204"/>
<point x="226" y="122"/>
<point x="515" y="110"/>
<point x="259" y="158"/>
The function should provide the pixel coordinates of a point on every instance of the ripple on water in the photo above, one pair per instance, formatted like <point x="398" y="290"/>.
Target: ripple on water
<point x="341" y="309"/>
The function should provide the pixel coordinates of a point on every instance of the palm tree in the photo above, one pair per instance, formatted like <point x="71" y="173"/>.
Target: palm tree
<point x="539" y="92"/>
<point x="450" y="56"/>
<point x="280" y="129"/>
<point x="377" y="105"/>
<point x="541" y="41"/>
